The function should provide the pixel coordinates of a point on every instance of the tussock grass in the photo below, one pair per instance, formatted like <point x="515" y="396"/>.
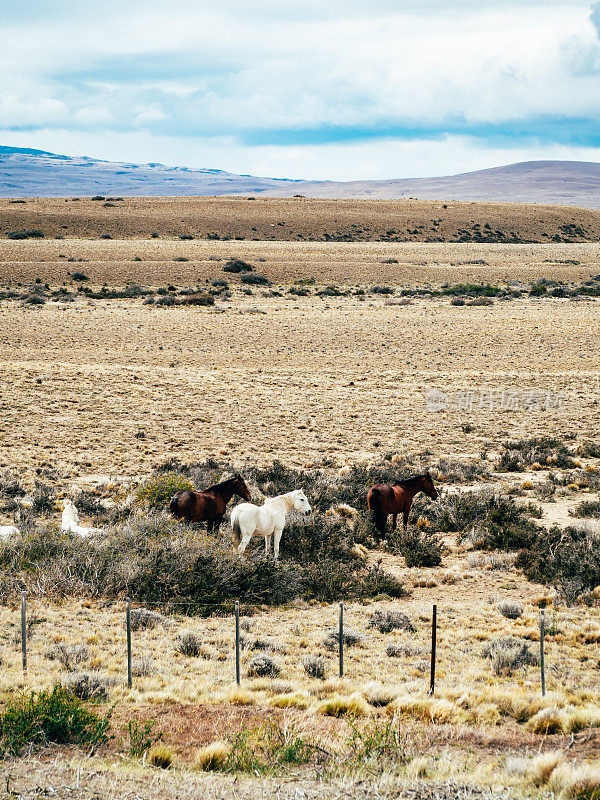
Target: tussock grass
<point x="340" y="706"/>
<point x="541" y="767"/>
<point x="293" y="700"/>
<point x="160" y="756"/>
<point x="213" y="757"/>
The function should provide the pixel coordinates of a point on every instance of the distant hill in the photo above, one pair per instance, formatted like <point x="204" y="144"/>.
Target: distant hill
<point x="26" y="172"/>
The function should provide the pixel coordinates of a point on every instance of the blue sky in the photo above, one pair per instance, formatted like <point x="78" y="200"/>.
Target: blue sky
<point x="307" y="89"/>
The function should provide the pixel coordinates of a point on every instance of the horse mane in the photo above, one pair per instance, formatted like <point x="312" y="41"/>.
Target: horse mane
<point x="411" y="481"/>
<point x="222" y="484"/>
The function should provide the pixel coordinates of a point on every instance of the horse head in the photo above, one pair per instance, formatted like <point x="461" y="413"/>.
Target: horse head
<point x="428" y="486"/>
<point x="240" y="486"/>
<point x="300" y="502"/>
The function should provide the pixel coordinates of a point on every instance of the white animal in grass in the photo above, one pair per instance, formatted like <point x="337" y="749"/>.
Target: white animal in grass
<point x="6" y="531"/>
<point x="70" y="521"/>
<point x="248" y="520"/>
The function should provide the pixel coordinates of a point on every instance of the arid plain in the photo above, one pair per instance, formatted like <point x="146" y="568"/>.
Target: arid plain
<point x="311" y="368"/>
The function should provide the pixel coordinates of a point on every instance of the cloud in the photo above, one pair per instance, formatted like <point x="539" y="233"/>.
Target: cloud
<point x="274" y="77"/>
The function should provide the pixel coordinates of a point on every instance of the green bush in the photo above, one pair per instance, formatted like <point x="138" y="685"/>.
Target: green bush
<point x="35" y="233"/>
<point x="255" y="279"/>
<point x="420" y="549"/>
<point x="270" y="748"/>
<point x="50" y="716"/>
<point x="158" y="491"/>
<point x="491" y="522"/>
<point x="545" y="450"/>
<point x="567" y="558"/>
<point x="236" y="265"/>
<point x="589" y="508"/>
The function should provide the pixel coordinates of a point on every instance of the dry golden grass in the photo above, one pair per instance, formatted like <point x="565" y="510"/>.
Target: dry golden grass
<point x="343" y="264"/>
<point x="311" y="378"/>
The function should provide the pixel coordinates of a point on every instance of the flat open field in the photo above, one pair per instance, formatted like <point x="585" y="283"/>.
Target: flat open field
<point x="97" y="392"/>
<point x="307" y="377"/>
<point x="290" y="219"/>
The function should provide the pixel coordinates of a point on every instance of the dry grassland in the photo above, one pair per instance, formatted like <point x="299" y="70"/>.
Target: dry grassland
<point x="103" y="390"/>
<point x="277" y="219"/>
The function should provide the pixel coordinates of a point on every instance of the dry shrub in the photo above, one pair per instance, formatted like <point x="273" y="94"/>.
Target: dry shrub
<point x="387" y="621"/>
<point x="143" y="619"/>
<point x="350" y="636"/>
<point x="68" y="655"/>
<point x="189" y="644"/>
<point x="568" y="558"/>
<point x="88" y="686"/>
<point x="263" y="666"/>
<point x="420" y="549"/>
<point x="510" y="609"/>
<point x="507" y="654"/>
<point x="315" y="667"/>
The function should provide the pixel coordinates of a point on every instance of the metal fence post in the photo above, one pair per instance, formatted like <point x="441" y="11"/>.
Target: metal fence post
<point x="24" y="630"/>
<point x="128" y="624"/>
<point x="433" y="647"/>
<point x="542" y="621"/>
<point x="237" y="642"/>
<point x="341" y="639"/>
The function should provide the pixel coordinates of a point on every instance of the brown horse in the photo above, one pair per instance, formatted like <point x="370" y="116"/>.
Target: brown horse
<point x="385" y="499"/>
<point x="208" y="506"/>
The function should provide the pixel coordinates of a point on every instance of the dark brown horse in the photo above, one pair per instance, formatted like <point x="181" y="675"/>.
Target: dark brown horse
<point x="208" y="506"/>
<point x="385" y="499"/>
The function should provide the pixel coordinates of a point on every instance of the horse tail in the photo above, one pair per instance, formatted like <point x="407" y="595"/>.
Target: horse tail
<point x="374" y="503"/>
<point x="237" y="531"/>
<point x="174" y="506"/>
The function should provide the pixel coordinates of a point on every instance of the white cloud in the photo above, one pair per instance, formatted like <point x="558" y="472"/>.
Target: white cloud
<point x="193" y="73"/>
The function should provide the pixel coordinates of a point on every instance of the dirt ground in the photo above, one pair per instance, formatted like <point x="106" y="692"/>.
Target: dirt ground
<point x="114" y="387"/>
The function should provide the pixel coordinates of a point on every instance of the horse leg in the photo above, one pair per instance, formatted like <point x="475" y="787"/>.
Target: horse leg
<point x="406" y="514"/>
<point x="217" y="524"/>
<point x="394" y="518"/>
<point x="278" y="534"/>
<point x="267" y="543"/>
<point x="244" y="543"/>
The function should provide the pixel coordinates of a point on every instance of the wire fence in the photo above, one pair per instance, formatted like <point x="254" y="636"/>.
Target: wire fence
<point x="129" y="644"/>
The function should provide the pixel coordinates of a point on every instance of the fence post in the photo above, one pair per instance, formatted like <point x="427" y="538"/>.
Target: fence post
<point x="341" y="639"/>
<point x="237" y="642"/>
<point x="24" y="630"/>
<point x="542" y="621"/>
<point x="433" y="643"/>
<point x="128" y="624"/>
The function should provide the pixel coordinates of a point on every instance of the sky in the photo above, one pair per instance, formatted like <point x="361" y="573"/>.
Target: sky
<point x="319" y="89"/>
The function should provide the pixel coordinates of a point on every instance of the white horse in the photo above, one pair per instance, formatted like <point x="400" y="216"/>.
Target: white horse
<point x="70" y="521"/>
<point x="6" y="531"/>
<point x="248" y="520"/>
